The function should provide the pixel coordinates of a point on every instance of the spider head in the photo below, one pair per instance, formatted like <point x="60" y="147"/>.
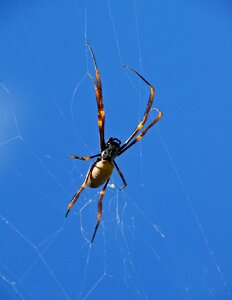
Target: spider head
<point x="111" y="150"/>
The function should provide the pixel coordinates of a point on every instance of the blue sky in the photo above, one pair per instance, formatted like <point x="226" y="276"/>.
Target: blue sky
<point x="168" y="234"/>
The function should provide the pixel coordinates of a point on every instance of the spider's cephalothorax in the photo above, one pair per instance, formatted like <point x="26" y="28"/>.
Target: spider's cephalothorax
<point x="101" y="170"/>
<point x="111" y="150"/>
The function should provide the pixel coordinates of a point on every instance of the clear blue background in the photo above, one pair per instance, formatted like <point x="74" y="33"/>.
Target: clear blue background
<point x="168" y="234"/>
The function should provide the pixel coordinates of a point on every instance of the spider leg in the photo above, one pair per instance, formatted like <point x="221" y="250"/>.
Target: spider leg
<point x="121" y="175"/>
<point x="149" y="104"/>
<point x="83" y="186"/>
<point x="139" y="137"/>
<point x="99" y="98"/>
<point x="99" y="214"/>
<point x="85" y="157"/>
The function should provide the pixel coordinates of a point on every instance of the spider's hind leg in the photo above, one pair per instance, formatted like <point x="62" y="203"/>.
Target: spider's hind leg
<point x="76" y="196"/>
<point x="121" y="175"/>
<point x="99" y="214"/>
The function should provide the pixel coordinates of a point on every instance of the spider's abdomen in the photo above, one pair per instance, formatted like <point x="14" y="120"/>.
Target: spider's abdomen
<point x="100" y="173"/>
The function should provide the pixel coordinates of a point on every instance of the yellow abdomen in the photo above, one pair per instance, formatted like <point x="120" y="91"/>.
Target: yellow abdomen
<point x="100" y="173"/>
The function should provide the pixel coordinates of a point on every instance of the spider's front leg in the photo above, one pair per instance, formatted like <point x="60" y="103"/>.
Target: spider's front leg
<point x="148" y="108"/>
<point x="100" y="104"/>
<point x="85" y="157"/>
<point x="141" y="135"/>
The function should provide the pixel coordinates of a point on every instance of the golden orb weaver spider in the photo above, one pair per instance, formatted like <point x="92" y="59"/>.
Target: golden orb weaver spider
<point x="101" y="170"/>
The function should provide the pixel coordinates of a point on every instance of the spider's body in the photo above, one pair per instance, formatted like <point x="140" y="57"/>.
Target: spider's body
<point x="111" y="149"/>
<point x="101" y="170"/>
<point x="104" y="166"/>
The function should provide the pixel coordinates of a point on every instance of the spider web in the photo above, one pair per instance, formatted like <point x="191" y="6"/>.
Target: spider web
<point x="156" y="238"/>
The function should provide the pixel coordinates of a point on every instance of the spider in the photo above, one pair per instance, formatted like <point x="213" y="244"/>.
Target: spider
<point x="101" y="170"/>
